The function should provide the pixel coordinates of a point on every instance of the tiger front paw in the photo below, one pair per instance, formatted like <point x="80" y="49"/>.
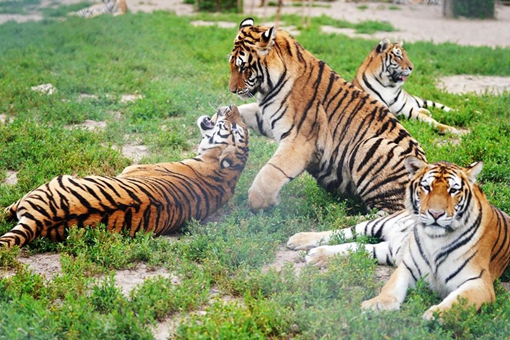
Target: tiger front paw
<point x="432" y="312"/>
<point x="320" y="256"/>
<point x="260" y="200"/>
<point x="381" y="303"/>
<point x="307" y="240"/>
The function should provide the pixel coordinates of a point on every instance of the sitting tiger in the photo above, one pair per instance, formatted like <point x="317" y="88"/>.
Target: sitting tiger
<point x="113" y="7"/>
<point x="456" y="240"/>
<point x="383" y="74"/>
<point x="156" y="198"/>
<point x="323" y="124"/>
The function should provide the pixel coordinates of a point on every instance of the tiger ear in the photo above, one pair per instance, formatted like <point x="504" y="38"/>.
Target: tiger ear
<point x="227" y="157"/>
<point x="473" y="170"/>
<point x="413" y="164"/>
<point x="267" y="41"/>
<point x="383" y="44"/>
<point x="248" y="22"/>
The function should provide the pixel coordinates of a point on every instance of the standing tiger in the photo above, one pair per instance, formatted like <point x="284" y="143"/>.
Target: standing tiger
<point x="113" y="7"/>
<point x="156" y="198"/>
<point x="343" y="137"/>
<point x="449" y="235"/>
<point x="383" y="74"/>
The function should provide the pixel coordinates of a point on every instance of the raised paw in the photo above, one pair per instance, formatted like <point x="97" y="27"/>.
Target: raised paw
<point x="381" y="303"/>
<point x="307" y="240"/>
<point x="258" y="200"/>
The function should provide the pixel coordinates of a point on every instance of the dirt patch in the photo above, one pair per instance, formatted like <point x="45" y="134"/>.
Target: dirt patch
<point x="129" y="279"/>
<point x="45" y="265"/>
<point x="476" y="84"/>
<point x="285" y="257"/>
<point x="90" y="125"/>
<point x="11" y="178"/>
<point x="413" y="22"/>
<point x="135" y="152"/>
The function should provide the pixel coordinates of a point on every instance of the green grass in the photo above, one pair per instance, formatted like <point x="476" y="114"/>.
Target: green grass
<point x="182" y="71"/>
<point x="18" y="6"/>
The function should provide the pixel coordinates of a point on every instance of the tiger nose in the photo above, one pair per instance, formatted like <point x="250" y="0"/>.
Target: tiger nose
<point x="436" y="213"/>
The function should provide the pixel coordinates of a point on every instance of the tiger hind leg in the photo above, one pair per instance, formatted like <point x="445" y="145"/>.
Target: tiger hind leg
<point x="23" y="233"/>
<point x="11" y="211"/>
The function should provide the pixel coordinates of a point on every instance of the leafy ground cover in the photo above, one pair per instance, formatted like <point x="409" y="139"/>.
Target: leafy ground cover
<point x="224" y="288"/>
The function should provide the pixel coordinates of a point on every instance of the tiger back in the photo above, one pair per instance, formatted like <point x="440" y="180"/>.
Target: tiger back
<point x="383" y="74"/>
<point x="343" y="137"/>
<point x="459" y="242"/>
<point x="156" y="198"/>
<point x="113" y="7"/>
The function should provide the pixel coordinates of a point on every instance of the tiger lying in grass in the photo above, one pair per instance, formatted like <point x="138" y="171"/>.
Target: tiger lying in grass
<point x="449" y="235"/>
<point x="383" y="74"/>
<point x="113" y="7"/>
<point x="156" y="198"/>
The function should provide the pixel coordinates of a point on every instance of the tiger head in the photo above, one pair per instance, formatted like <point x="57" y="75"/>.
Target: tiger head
<point x="394" y="66"/>
<point x="251" y="47"/>
<point x="441" y="194"/>
<point x="224" y="137"/>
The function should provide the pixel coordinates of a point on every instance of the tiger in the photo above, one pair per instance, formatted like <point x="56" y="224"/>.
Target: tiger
<point x="157" y="198"/>
<point x="347" y="140"/>
<point x="383" y="74"/>
<point x="113" y="7"/>
<point x="456" y="240"/>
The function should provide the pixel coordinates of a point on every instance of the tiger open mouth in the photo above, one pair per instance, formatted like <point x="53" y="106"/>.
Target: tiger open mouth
<point x="398" y="77"/>
<point x="206" y="123"/>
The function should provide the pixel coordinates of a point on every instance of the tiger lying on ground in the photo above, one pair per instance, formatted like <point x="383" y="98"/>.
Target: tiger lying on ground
<point x="343" y="137"/>
<point x="113" y="7"/>
<point x="156" y="198"/>
<point x="383" y="74"/>
<point x="449" y="234"/>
